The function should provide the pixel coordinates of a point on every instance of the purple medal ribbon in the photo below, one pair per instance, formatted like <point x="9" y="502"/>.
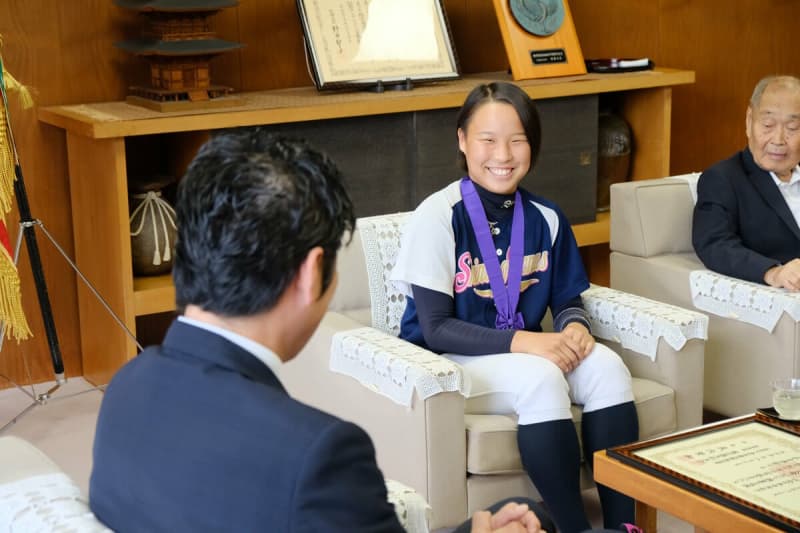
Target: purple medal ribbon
<point x="506" y="296"/>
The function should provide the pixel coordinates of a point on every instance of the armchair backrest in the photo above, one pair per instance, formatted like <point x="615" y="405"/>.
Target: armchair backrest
<point x="653" y="217"/>
<point x="371" y="256"/>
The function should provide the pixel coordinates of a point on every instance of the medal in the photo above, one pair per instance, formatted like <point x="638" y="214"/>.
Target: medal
<point x="506" y="295"/>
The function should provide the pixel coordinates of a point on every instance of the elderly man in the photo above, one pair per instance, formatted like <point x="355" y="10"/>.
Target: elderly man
<point x="198" y="434"/>
<point x="747" y="217"/>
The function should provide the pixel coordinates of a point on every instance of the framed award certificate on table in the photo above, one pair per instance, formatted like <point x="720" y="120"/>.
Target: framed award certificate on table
<point x="750" y="464"/>
<point x="377" y="42"/>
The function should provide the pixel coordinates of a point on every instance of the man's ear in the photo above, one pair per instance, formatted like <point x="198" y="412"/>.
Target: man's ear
<point x="748" y="121"/>
<point x="309" y="275"/>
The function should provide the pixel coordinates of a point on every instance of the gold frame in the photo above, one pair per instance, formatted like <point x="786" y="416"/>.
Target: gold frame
<point x="338" y="35"/>
<point x="667" y="457"/>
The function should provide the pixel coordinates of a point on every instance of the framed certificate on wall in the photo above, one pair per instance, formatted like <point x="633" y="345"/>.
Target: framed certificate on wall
<point x="377" y="42"/>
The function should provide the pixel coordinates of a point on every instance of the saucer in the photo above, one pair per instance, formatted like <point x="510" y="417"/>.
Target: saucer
<point x="772" y="413"/>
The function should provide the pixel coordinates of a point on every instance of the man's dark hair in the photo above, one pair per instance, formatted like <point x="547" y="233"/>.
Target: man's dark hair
<point x="249" y="209"/>
<point x="506" y="93"/>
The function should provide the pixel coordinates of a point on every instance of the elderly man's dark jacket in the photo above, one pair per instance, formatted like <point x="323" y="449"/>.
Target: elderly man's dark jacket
<point x="742" y="224"/>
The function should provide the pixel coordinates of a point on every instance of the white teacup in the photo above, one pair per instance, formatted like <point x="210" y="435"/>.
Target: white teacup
<point x="786" y="398"/>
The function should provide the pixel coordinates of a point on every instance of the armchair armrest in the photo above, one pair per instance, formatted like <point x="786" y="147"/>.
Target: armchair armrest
<point x="391" y="366"/>
<point x="660" y="342"/>
<point x="753" y="303"/>
<point x="412" y="510"/>
<point x="420" y="444"/>
<point x="36" y="495"/>
<point x="639" y="323"/>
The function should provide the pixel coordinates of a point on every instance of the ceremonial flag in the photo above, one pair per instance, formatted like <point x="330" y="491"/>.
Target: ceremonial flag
<point x="11" y="314"/>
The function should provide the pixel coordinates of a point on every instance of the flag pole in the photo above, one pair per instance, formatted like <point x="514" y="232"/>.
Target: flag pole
<point x="27" y="226"/>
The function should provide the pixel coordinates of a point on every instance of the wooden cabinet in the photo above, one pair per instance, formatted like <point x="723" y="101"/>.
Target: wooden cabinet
<point x="99" y="138"/>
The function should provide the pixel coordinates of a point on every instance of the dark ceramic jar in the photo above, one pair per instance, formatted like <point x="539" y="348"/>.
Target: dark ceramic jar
<point x="152" y="227"/>
<point x="614" y="147"/>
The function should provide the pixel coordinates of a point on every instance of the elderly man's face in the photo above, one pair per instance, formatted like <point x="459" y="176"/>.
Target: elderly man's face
<point x="773" y="130"/>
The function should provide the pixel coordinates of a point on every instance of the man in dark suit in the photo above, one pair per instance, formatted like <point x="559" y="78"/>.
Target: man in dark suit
<point x="198" y="434"/>
<point x="747" y="218"/>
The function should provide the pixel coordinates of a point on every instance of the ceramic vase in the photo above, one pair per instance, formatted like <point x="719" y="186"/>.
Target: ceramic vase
<point x="614" y="147"/>
<point x="152" y="228"/>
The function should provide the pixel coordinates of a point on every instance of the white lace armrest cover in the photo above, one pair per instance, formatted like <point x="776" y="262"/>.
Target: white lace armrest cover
<point x="380" y="239"/>
<point x="391" y="366"/>
<point x="412" y="510"/>
<point x="45" y="503"/>
<point x="638" y="323"/>
<point x="760" y="305"/>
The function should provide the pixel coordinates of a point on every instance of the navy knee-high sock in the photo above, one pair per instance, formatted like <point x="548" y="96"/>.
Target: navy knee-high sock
<point x="551" y="457"/>
<point x="603" y="429"/>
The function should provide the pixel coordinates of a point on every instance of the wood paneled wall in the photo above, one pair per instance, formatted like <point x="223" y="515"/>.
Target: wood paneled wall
<point x="730" y="44"/>
<point x="64" y="50"/>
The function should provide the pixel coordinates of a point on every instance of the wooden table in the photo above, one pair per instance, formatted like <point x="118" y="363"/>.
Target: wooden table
<point x="652" y="494"/>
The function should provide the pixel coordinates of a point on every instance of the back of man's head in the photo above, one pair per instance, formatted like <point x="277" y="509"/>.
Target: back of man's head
<point x="249" y="209"/>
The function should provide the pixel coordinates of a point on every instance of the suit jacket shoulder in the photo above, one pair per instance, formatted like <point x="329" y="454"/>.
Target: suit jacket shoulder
<point x="198" y="435"/>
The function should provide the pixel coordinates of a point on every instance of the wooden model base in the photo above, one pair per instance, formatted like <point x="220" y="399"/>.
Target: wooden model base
<point x="212" y="97"/>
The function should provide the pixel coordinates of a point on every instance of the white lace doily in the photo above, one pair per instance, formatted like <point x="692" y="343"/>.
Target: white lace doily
<point x="45" y="503"/>
<point x="380" y="239"/>
<point x="638" y="323"/>
<point x="412" y="510"/>
<point x="749" y="302"/>
<point x="391" y="366"/>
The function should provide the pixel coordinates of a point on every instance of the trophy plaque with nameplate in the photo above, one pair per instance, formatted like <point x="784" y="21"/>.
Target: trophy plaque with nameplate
<point x="540" y="38"/>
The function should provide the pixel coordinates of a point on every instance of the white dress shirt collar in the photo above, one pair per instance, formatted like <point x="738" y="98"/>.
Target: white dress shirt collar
<point x="259" y="351"/>
<point x="792" y="180"/>
<point x="790" y="190"/>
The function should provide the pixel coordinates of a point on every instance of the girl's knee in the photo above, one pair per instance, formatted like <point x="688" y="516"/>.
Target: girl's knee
<point x="551" y="376"/>
<point x="602" y="377"/>
<point x="604" y="359"/>
<point x="548" y="385"/>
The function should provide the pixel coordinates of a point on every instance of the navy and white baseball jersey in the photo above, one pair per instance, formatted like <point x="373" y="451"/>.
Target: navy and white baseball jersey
<point x="439" y="252"/>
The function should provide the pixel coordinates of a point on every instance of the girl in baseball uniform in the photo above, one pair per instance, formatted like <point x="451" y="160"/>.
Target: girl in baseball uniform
<point x="482" y="261"/>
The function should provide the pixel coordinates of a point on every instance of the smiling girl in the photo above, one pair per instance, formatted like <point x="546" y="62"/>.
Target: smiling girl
<point x="482" y="261"/>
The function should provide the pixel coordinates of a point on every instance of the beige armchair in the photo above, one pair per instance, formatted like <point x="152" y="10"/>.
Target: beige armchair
<point x="409" y="400"/>
<point x="753" y="332"/>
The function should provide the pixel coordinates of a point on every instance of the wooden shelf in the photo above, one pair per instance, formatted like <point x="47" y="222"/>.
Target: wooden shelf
<point x="99" y="135"/>
<point x="596" y="232"/>
<point x="120" y="119"/>
<point x="153" y="294"/>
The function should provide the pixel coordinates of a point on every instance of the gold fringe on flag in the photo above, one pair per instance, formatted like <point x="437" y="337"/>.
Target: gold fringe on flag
<point x="11" y="299"/>
<point x="7" y="160"/>
<point x="11" y="313"/>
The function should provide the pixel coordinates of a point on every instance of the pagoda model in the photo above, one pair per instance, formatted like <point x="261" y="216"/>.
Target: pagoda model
<point x="178" y="44"/>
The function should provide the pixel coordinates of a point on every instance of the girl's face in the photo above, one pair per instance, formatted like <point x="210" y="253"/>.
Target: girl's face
<point x="496" y="148"/>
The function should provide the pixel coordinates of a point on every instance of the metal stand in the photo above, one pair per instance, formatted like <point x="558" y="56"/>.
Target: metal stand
<point x="27" y="225"/>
